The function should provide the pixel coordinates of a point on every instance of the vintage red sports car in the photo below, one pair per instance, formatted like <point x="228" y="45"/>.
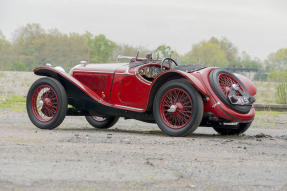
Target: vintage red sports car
<point x="177" y="98"/>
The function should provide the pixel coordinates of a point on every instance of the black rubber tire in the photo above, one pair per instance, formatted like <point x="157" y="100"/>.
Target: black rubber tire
<point x="62" y="103"/>
<point x="197" y="107"/>
<point x="231" y="129"/>
<point x="213" y="80"/>
<point x="107" y="123"/>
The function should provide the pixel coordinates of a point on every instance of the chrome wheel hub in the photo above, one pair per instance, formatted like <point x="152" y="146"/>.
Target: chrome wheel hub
<point x="172" y="109"/>
<point x="41" y="103"/>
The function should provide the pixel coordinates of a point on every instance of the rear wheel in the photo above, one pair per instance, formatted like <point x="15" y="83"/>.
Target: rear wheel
<point x="221" y="82"/>
<point x="46" y="103"/>
<point x="101" y="122"/>
<point x="231" y="129"/>
<point x="178" y="108"/>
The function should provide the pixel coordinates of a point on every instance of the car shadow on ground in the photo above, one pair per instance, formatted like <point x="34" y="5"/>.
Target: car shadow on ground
<point x="157" y="133"/>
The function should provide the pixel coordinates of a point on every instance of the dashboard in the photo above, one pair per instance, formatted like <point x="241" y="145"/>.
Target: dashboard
<point x="150" y="72"/>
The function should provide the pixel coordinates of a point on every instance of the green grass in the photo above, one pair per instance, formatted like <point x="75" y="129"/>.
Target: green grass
<point x="281" y="93"/>
<point x="17" y="103"/>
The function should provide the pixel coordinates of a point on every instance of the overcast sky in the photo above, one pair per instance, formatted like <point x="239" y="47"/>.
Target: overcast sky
<point x="258" y="27"/>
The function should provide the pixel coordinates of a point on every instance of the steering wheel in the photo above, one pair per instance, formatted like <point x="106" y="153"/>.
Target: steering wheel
<point x="169" y="61"/>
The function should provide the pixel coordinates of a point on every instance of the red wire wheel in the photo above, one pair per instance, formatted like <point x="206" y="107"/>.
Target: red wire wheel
<point x="176" y="108"/>
<point x="47" y="103"/>
<point x="221" y="81"/>
<point x="44" y="103"/>
<point x="225" y="82"/>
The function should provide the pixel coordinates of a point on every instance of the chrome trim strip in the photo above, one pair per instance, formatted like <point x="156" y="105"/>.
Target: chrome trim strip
<point x="103" y="72"/>
<point x="127" y="107"/>
<point x="124" y="74"/>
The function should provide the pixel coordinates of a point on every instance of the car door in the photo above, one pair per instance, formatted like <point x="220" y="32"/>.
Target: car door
<point x="129" y="91"/>
<point x="99" y="82"/>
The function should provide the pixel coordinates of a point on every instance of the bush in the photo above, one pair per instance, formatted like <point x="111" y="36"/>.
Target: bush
<point x="281" y="93"/>
<point x="278" y="76"/>
<point x="19" y="66"/>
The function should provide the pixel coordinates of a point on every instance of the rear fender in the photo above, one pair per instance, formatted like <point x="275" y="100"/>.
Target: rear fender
<point x="247" y="83"/>
<point x="193" y="78"/>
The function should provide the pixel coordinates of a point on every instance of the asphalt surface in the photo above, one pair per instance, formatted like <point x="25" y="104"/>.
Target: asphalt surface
<point x="137" y="156"/>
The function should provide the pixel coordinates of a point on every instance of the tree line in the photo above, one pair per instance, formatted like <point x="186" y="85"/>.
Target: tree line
<point x="32" y="46"/>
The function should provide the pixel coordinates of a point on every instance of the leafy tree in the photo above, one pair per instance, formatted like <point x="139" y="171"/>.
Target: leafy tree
<point x="228" y="47"/>
<point x="27" y="45"/>
<point x="5" y="52"/>
<point x="29" y="31"/>
<point x="276" y="64"/>
<point x="35" y="47"/>
<point x="277" y="60"/>
<point x="247" y="62"/>
<point x="126" y="50"/>
<point x="221" y="53"/>
<point x="206" y="53"/>
<point x="164" y="51"/>
<point x="101" y="49"/>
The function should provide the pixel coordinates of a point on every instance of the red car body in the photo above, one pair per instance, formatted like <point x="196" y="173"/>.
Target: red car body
<point x="121" y="89"/>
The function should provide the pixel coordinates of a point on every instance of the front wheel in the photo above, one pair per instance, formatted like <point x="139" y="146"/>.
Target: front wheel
<point x="47" y="103"/>
<point x="178" y="108"/>
<point x="102" y="122"/>
<point x="231" y="129"/>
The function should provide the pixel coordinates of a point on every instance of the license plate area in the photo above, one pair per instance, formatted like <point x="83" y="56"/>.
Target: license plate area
<point x="237" y="97"/>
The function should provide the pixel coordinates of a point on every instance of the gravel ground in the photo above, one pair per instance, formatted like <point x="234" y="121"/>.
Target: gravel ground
<point x="136" y="156"/>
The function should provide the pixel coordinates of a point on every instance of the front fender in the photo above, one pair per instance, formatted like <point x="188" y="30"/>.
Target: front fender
<point x="66" y="80"/>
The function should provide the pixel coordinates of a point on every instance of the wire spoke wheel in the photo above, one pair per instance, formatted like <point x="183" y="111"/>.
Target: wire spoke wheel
<point x="47" y="103"/>
<point x="225" y="82"/>
<point x="221" y="82"/>
<point x="44" y="103"/>
<point x="176" y="108"/>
